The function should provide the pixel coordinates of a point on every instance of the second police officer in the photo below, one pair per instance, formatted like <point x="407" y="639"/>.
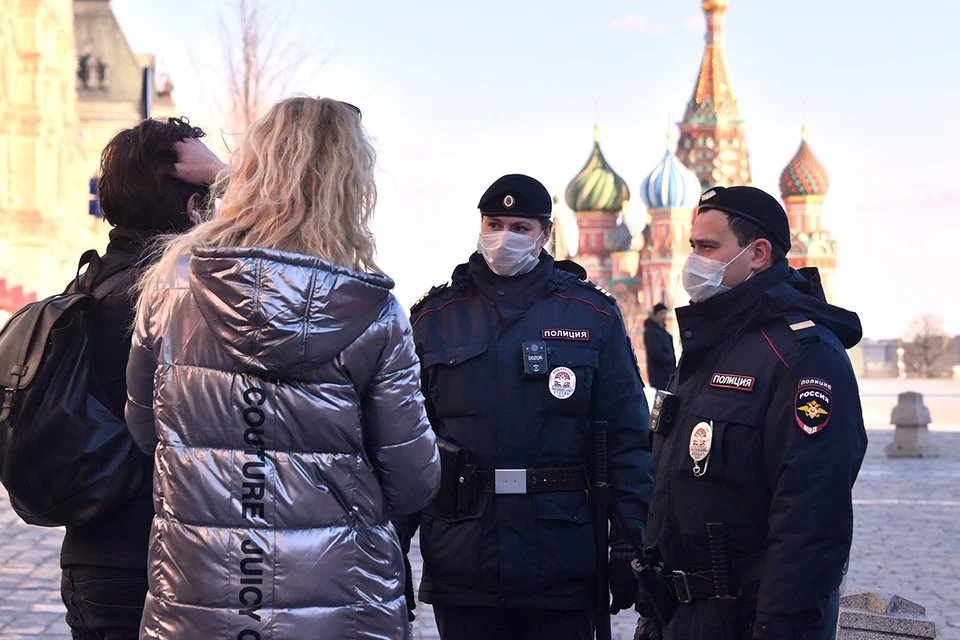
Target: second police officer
<point x="758" y="440"/>
<point x="522" y="359"/>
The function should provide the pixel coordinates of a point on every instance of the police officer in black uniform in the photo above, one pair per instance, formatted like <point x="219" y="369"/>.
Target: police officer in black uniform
<point x="522" y="358"/>
<point x="757" y="449"/>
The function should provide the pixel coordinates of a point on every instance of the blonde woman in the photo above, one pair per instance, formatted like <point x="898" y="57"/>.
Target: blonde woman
<point x="273" y="373"/>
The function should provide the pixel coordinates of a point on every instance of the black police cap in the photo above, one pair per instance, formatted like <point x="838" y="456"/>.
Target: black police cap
<point x="752" y="204"/>
<point x="516" y="195"/>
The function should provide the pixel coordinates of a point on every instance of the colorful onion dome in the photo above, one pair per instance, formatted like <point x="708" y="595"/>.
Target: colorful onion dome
<point x="597" y="187"/>
<point x="804" y="176"/>
<point x="671" y="185"/>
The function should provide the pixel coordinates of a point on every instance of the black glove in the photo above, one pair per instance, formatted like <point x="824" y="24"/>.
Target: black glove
<point x="648" y="629"/>
<point x="623" y="581"/>
<point x="408" y="589"/>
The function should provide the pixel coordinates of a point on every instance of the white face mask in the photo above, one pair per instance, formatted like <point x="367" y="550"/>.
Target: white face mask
<point x="702" y="277"/>
<point x="508" y="253"/>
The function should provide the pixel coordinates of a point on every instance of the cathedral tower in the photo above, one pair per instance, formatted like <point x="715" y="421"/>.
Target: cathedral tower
<point x="803" y="185"/>
<point x="711" y="133"/>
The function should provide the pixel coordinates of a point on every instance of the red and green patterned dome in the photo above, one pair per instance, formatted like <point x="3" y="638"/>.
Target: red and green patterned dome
<point x="804" y="176"/>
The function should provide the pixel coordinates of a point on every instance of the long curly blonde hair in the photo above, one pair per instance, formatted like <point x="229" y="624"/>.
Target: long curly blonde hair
<point x="301" y="181"/>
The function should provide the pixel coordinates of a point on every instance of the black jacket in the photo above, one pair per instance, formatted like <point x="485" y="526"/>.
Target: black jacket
<point x="765" y="365"/>
<point x="120" y="539"/>
<point x="534" y="550"/>
<point x="661" y="358"/>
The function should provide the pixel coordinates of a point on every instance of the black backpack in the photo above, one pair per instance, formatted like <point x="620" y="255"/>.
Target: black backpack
<point x="65" y="457"/>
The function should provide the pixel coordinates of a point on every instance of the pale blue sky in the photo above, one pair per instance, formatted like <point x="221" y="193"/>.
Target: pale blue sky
<point x="457" y="94"/>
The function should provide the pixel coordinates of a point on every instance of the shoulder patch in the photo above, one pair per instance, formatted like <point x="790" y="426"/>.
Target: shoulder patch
<point x="433" y="291"/>
<point x="803" y="328"/>
<point x="636" y="363"/>
<point x="606" y="294"/>
<point x="425" y="295"/>
<point x="814" y="404"/>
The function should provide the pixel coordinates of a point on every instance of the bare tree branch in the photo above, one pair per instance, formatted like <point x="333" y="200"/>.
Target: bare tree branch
<point x="927" y="345"/>
<point x="261" y="61"/>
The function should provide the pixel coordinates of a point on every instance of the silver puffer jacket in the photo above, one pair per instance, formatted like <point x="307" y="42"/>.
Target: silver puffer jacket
<point x="281" y="394"/>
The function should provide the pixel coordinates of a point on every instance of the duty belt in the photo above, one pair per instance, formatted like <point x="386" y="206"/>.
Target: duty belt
<point x="520" y="481"/>
<point x="688" y="587"/>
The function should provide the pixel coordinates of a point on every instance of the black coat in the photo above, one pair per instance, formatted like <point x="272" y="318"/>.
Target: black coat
<point x="765" y="364"/>
<point x="121" y="538"/>
<point x="534" y="550"/>
<point x="661" y="358"/>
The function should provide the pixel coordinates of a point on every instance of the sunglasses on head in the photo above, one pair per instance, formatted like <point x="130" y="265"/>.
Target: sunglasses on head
<point x="352" y="108"/>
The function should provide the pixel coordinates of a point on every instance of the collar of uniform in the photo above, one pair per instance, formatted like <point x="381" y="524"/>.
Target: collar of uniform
<point x="704" y="324"/>
<point x="497" y="288"/>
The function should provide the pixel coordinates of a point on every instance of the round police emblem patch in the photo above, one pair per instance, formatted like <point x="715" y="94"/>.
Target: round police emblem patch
<point x="701" y="441"/>
<point x="814" y="404"/>
<point x="509" y="201"/>
<point x="562" y="383"/>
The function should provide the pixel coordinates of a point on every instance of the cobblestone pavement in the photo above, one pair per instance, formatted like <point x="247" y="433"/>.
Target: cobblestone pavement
<point x="906" y="539"/>
<point x="907" y="526"/>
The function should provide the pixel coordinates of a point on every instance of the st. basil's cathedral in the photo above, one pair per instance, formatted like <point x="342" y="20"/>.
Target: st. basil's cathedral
<point x="642" y="267"/>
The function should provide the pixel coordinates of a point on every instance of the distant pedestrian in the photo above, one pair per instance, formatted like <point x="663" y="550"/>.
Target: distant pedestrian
<point x="658" y="343"/>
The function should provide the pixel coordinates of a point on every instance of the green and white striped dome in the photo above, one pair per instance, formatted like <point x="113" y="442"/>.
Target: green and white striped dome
<point x="597" y="187"/>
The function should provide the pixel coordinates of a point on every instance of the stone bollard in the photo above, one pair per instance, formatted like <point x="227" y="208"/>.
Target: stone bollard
<point x="911" y="437"/>
<point x="877" y="615"/>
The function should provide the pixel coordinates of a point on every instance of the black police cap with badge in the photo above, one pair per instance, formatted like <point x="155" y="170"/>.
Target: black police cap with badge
<point x="516" y="195"/>
<point x="752" y="204"/>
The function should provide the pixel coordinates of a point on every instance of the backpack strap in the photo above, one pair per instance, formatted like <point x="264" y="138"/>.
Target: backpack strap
<point x="83" y="283"/>
<point x="34" y="322"/>
<point x="109" y="285"/>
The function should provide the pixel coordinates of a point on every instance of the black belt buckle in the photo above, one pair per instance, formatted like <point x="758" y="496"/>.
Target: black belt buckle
<point x="676" y="580"/>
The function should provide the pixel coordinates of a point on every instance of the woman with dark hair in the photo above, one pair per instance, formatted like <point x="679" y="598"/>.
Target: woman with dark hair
<point x="152" y="178"/>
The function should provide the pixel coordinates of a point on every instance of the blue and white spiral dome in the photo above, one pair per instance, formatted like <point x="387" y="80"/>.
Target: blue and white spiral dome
<point x="671" y="185"/>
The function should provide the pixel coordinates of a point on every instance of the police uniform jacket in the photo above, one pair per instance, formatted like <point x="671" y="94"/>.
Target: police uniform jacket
<point x="281" y="393"/>
<point x="534" y="550"/>
<point x="765" y="365"/>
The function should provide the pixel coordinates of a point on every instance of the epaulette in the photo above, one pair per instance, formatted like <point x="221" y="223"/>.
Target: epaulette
<point x="426" y="296"/>
<point x="606" y="294"/>
<point x="804" y="329"/>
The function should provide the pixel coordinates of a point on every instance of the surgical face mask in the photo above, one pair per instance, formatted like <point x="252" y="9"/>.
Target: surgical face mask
<point x="702" y="277"/>
<point x="508" y="253"/>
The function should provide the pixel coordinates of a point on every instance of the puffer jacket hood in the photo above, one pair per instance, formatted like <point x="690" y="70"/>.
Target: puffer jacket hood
<point x="262" y="309"/>
<point x="280" y="395"/>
